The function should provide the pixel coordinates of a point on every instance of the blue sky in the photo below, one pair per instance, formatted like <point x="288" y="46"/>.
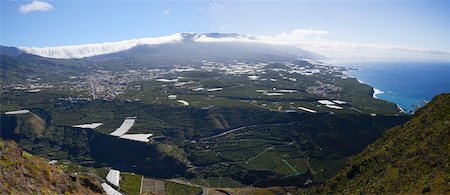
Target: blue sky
<point x="421" y="25"/>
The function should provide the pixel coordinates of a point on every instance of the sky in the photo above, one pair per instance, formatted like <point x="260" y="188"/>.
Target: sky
<point x="338" y="29"/>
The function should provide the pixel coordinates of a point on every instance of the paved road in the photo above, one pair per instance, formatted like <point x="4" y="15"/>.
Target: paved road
<point x="242" y="128"/>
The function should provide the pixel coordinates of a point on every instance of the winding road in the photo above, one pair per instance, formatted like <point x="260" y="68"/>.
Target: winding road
<point x="242" y="128"/>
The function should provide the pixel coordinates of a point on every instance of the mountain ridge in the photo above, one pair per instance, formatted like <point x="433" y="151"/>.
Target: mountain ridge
<point x="96" y="49"/>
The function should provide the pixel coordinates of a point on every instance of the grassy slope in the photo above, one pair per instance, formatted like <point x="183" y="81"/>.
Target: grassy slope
<point x="178" y="189"/>
<point x="130" y="183"/>
<point x="411" y="158"/>
<point x="21" y="172"/>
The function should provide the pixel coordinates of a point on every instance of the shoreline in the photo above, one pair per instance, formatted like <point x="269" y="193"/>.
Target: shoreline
<point x="376" y="92"/>
<point x="402" y="102"/>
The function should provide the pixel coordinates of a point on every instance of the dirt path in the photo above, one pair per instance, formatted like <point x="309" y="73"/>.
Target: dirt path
<point x="265" y="150"/>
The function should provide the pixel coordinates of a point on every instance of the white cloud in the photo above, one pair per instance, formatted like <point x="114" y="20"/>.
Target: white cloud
<point x="309" y="39"/>
<point x="314" y="40"/>
<point x="88" y="50"/>
<point x="355" y="50"/>
<point x="35" y="5"/>
<point x="295" y="36"/>
<point x="225" y="27"/>
<point x="301" y="33"/>
<point x="166" y="12"/>
<point x="214" y="7"/>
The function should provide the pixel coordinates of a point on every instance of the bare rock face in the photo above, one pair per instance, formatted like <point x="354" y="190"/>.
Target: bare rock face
<point x="21" y="172"/>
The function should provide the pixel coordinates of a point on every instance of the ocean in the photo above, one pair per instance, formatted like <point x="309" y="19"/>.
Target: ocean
<point x="404" y="83"/>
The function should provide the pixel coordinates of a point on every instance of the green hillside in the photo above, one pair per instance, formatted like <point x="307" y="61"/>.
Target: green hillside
<point x="411" y="158"/>
<point x="23" y="173"/>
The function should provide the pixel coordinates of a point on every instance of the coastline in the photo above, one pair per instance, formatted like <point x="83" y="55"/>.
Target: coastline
<point x="376" y="92"/>
<point x="406" y="84"/>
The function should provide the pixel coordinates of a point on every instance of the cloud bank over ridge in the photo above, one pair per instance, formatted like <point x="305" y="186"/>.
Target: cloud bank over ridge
<point x="88" y="50"/>
<point x="307" y="39"/>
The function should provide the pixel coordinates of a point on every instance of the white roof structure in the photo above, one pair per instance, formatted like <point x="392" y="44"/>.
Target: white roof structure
<point x="183" y="102"/>
<point x="137" y="137"/>
<point x="325" y="102"/>
<point x="334" y="107"/>
<point x="113" y="177"/>
<point x="88" y="126"/>
<point x="198" y="89"/>
<point x="126" y="125"/>
<point x="253" y="78"/>
<point x="274" y="94"/>
<point x="172" y="97"/>
<point x="339" y="102"/>
<point x="110" y="190"/>
<point x="215" y="89"/>
<point x="306" y="73"/>
<point x="307" y="109"/>
<point x="179" y="84"/>
<point x="18" y="112"/>
<point x="34" y="90"/>
<point x="287" y="90"/>
<point x="167" y="80"/>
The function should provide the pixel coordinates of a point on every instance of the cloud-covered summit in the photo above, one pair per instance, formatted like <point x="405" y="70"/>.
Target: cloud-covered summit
<point x="308" y="39"/>
<point x="88" y="50"/>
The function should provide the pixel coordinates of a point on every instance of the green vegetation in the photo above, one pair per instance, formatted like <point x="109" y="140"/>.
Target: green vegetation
<point x="238" y="91"/>
<point x="102" y="172"/>
<point x="173" y="150"/>
<point x="130" y="183"/>
<point x="26" y="155"/>
<point x="23" y="173"/>
<point x="318" y="143"/>
<point x="265" y="146"/>
<point x="74" y="167"/>
<point x="181" y="189"/>
<point x="326" y="139"/>
<point x="18" y="68"/>
<point x="411" y="158"/>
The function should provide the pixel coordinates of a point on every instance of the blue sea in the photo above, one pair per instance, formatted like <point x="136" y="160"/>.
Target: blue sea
<point x="403" y="83"/>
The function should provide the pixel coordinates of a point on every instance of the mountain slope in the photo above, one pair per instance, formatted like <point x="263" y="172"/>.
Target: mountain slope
<point x="21" y="172"/>
<point x="193" y="52"/>
<point x="411" y="158"/>
<point x="10" y="51"/>
<point x="17" y="65"/>
<point x="181" y="48"/>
